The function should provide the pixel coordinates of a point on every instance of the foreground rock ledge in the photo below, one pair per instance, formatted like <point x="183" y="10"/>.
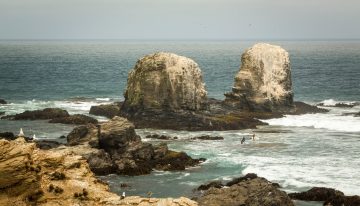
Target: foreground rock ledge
<point x="29" y="176"/>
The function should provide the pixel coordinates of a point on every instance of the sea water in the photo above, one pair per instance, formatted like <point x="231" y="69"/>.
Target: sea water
<point x="297" y="151"/>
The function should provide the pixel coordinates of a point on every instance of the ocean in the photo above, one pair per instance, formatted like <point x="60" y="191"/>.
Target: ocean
<point x="298" y="151"/>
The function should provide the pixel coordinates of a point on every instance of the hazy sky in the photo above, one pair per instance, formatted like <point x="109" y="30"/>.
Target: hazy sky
<point x="179" y="19"/>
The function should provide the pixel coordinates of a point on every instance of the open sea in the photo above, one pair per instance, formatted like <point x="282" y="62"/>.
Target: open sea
<point x="298" y="152"/>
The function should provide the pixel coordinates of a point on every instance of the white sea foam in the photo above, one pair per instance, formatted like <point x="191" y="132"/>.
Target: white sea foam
<point x="335" y="122"/>
<point x="103" y="99"/>
<point x="332" y="102"/>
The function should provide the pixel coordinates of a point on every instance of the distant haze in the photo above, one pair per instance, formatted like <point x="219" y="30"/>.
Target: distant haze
<point x="179" y="19"/>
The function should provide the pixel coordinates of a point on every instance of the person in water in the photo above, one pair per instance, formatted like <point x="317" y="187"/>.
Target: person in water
<point x="243" y="140"/>
<point x="253" y="137"/>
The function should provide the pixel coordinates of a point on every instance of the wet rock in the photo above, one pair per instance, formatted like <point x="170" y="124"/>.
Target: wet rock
<point x="247" y="177"/>
<point x="166" y="82"/>
<point x="317" y="194"/>
<point x="47" y="144"/>
<point x="7" y="136"/>
<point x="208" y="137"/>
<point x="106" y="110"/>
<point x="216" y="184"/>
<point x="340" y="105"/>
<point x="2" y="113"/>
<point x="303" y="108"/>
<point x="249" y="190"/>
<point x="2" y="101"/>
<point x="75" y="119"/>
<point x="263" y="82"/>
<point x="48" y="113"/>
<point x="83" y="134"/>
<point x="156" y="136"/>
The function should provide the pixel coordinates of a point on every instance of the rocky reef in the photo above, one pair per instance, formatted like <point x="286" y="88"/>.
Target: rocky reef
<point x="263" y="82"/>
<point x="2" y="101"/>
<point x="30" y="176"/>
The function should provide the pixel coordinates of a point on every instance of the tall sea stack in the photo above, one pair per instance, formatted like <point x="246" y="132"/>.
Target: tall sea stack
<point x="263" y="82"/>
<point x="166" y="82"/>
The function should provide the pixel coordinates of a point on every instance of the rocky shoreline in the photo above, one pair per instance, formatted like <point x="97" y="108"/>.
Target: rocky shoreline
<point x="164" y="91"/>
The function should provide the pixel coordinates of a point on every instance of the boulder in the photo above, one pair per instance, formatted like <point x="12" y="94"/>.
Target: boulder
<point x="100" y="162"/>
<point x="48" y="113"/>
<point x="157" y="136"/>
<point x="249" y="190"/>
<point x="83" y="134"/>
<point x="263" y="82"/>
<point x="106" y="110"/>
<point x="166" y="82"/>
<point x="2" y="101"/>
<point x="75" y="119"/>
<point x="47" y="144"/>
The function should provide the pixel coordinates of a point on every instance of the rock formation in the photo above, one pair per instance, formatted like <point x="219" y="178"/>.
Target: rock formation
<point x="165" y="81"/>
<point x="263" y="82"/>
<point x="106" y="110"/>
<point x="74" y="119"/>
<point x="249" y="190"/>
<point x="114" y="147"/>
<point x="2" y="101"/>
<point x="29" y="176"/>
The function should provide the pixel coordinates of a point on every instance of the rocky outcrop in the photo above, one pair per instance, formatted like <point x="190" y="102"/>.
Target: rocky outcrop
<point x="167" y="82"/>
<point x="75" y="119"/>
<point x="327" y="195"/>
<point x="2" y="101"/>
<point x="57" y="177"/>
<point x="7" y="135"/>
<point x="2" y="113"/>
<point x="249" y="190"/>
<point x="114" y="147"/>
<point x="263" y="82"/>
<point x="106" y="110"/>
<point x="208" y="137"/>
<point x="48" y="113"/>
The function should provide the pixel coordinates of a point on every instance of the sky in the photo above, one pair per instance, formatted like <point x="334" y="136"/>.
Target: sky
<point x="179" y="19"/>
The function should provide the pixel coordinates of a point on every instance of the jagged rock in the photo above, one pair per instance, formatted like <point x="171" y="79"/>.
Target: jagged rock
<point x="83" y="134"/>
<point x="58" y="177"/>
<point x="263" y="82"/>
<point x="48" y="113"/>
<point x="2" y="101"/>
<point x="249" y="190"/>
<point x="100" y="162"/>
<point x="208" y="137"/>
<point x="303" y="108"/>
<point x="316" y="194"/>
<point x="167" y="82"/>
<point x="216" y="184"/>
<point x="106" y="110"/>
<point x="343" y="201"/>
<point x="75" y="119"/>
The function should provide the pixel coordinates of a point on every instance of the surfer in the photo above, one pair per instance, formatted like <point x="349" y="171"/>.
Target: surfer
<point x="243" y="140"/>
<point x="253" y="137"/>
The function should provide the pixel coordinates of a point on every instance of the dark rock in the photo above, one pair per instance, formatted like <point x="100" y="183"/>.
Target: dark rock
<point x="341" y="105"/>
<point x="343" y="201"/>
<point x="208" y="137"/>
<point x="2" y="101"/>
<point x="357" y="114"/>
<point x="106" y="110"/>
<point x="175" y="161"/>
<point x="57" y="176"/>
<point x="247" y="177"/>
<point x="303" y="108"/>
<point x="62" y="137"/>
<point x="48" y="113"/>
<point x="100" y="162"/>
<point x="156" y="136"/>
<point x="2" y="113"/>
<point x="75" y="119"/>
<point x="245" y="191"/>
<point x="216" y="184"/>
<point x="83" y="134"/>
<point x="7" y="135"/>
<point x="316" y="194"/>
<point x="47" y="144"/>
